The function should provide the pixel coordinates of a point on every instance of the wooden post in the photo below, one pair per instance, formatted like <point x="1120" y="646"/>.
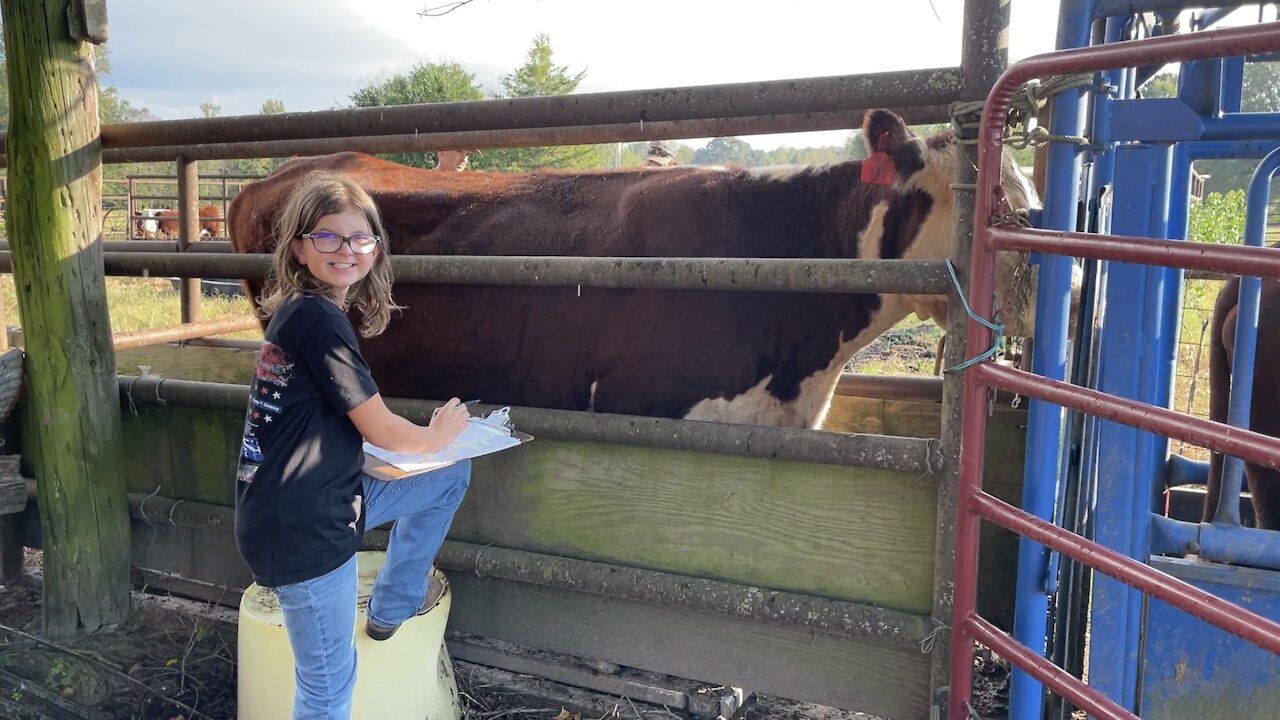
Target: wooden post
<point x="55" y="232"/>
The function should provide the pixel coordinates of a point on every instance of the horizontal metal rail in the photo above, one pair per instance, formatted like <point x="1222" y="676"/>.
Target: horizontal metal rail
<point x="843" y="93"/>
<point x="748" y="274"/>
<point x="902" y="454"/>
<point x="204" y="199"/>
<point x="1235" y="259"/>
<point x="771" y="607"/>
<point x="1071" y="688"/>
<point x="1254" y="447"/>
<point x="532" y="137"/>
<point x="1261" y="631"/>
<point x="212" y="179"/>
<point x="185" y="331"/>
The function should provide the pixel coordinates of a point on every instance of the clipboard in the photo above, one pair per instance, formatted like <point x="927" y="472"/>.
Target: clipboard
<point x="482" y="436"/>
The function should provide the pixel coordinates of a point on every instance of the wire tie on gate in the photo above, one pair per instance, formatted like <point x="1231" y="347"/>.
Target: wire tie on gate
<point x="128" y="393"/>
<point x="476" y="561"/>
<point x="142" y="508"/>
<point x="930" y="445"/>
<point x="997" y="328"/>
<point x="173" y="507"/>
<point x="926" y="643"/>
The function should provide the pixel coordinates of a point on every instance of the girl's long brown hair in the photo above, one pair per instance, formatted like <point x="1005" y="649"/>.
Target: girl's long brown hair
<point x="318" y="194"/>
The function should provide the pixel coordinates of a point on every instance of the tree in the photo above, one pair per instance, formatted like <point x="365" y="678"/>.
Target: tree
<point x="114" y="109"/>
<point x="1261" y="91"/>
<point x="725" y="151"/>
<point x="1218" y="219"/>
<point x="111" y="107"/>
<point x="424" y="83"/>
<point x="1163" y="85"/>
<point x="209" y="110"/>
<point x="272" y="107"/>
<point x="539" y="76"/>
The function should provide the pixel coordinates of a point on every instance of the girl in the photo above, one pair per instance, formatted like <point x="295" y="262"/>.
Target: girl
<point x="302" y="501"/>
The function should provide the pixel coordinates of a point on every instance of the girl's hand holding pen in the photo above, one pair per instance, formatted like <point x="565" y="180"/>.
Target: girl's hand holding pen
<point x="450" y="419"/>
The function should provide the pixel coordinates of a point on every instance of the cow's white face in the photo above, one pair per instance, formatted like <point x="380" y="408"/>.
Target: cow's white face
<point x="1015" y="285"/>
<point x="935" y="176"/>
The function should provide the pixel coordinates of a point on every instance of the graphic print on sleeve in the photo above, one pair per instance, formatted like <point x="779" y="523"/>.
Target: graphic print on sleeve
<point x="271" y="376"/>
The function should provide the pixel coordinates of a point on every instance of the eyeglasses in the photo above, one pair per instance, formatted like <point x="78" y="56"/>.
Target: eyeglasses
<point x="327" y="242"/>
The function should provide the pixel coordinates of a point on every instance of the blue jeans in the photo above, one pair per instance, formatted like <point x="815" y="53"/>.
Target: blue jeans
<point x="320" y="614"/>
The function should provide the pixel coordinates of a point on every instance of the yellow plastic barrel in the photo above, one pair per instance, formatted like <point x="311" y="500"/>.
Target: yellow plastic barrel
<point x="408" y="676"/>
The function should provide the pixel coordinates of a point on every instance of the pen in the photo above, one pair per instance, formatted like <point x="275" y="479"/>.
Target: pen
<point x="469" y="403"/>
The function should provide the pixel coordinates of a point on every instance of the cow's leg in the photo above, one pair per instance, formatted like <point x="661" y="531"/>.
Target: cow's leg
<point x="1264" y="486"/>
<point x="1264" y="415"/>
<point x="1222" y="343"/>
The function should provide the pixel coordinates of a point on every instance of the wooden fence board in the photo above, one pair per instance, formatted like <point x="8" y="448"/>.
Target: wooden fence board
<point x="890" y="683"/>
<point x="846" y="533"/>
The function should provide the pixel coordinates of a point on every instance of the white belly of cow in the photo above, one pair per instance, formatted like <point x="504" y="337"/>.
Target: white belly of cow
<point x="758" y="406"/>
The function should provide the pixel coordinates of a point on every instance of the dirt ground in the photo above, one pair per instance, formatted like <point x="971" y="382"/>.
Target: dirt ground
<point x="176" y="659"/>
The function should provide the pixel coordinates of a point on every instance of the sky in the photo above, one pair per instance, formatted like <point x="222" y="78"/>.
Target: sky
<point x="171" y="56"/>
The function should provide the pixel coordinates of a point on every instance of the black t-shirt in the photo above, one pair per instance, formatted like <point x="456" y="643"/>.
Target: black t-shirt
<point x="299" y="510"/>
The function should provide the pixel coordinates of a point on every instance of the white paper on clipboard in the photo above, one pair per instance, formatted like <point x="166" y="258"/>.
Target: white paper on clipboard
<point x="482" y="436"/>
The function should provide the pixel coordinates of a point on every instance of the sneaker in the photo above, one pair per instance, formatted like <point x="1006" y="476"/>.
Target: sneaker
<point x="378" y="631"/>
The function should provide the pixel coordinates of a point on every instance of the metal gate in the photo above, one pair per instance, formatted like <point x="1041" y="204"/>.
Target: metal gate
<point x="993" y="232"/>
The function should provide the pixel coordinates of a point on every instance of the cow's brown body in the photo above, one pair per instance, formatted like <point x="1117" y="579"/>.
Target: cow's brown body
<point x="1264" y="414"/>
<point x="210" y="224"/>
<point x="757" y="357"/>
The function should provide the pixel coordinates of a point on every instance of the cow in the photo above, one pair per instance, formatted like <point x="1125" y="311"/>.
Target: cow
<point x="210" y="222"/>
<point x="144" y="223"/>
<point x="1264" y="412"/>
<point x="167" y="222"/>
<point x="764" y="358"/>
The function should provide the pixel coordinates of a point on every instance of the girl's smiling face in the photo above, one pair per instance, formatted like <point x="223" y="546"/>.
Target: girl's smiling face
<point x="343" y="268"/>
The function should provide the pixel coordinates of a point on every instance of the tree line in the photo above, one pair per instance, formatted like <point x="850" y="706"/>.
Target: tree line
<point x="431" y="82"/>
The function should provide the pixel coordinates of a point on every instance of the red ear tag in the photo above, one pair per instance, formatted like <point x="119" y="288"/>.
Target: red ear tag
<point x="879" y="169"/>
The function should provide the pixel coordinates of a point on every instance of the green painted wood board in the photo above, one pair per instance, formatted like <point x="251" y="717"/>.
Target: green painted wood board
<point x="891" y="683"/>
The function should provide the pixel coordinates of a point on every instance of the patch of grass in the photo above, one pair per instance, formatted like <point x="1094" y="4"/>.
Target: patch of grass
<point x="908" y="348"/>
<point x="143" y="304"/>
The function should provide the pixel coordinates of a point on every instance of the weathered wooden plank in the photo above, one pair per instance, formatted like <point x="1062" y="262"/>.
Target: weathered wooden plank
<point x="55" y="229"/>
<point x="849" y="534"/>
<point x="1003" y="471"/>
<point x="187" y="453"/>
<point x="844" y="533"/>
<point x="777" y="661"/>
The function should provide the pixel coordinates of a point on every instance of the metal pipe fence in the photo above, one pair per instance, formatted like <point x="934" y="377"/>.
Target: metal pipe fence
<point x="975" y="503"/>
<point x="911" y="455"/>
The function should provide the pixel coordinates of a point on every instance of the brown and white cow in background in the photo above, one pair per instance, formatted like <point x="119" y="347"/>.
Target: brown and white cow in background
<point x="752" y="357"/>
<point x="144" y="224"/>
<point x="210" y="222"/>
<point x="1264" y="410"/>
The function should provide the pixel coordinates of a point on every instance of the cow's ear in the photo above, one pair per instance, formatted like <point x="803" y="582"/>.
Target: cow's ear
<point x="883" y="130"/>
<point x="887" y="136"/>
